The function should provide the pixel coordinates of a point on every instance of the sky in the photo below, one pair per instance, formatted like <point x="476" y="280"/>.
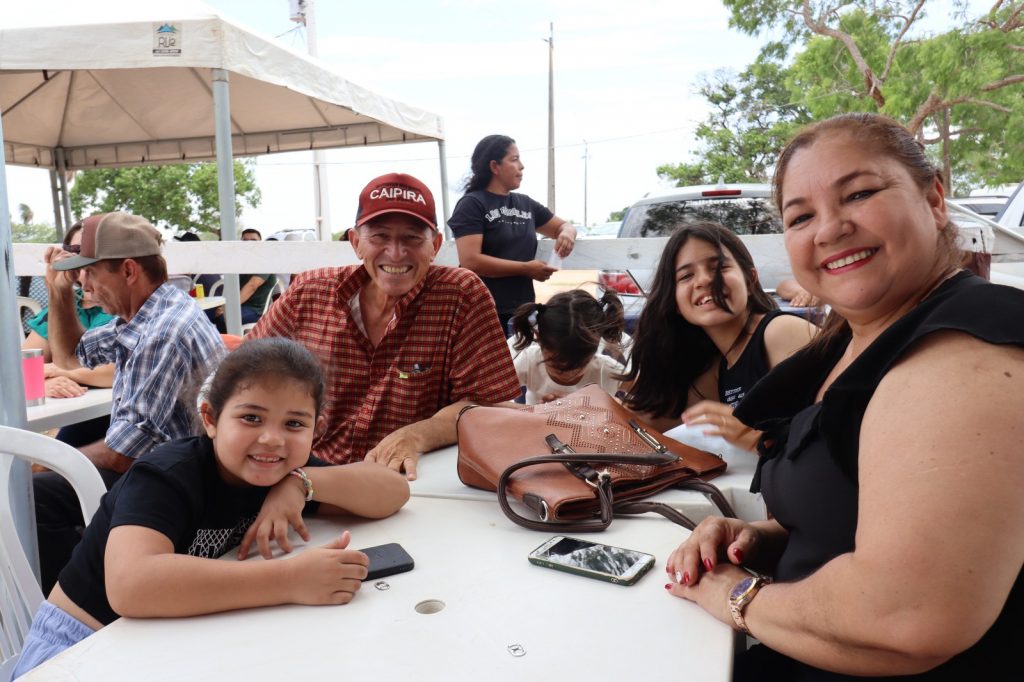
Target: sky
<point x="625" y="95"/>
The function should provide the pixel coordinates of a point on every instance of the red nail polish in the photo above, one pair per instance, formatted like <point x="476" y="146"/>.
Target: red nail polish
<point x="738" y="553"/>
<point x="686" y="578"/>
<point x="708" y="565"/>
<point x="668" y="586"/>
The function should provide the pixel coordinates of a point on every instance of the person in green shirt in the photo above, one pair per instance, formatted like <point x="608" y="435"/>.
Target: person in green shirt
<point x="65" y="383"/>
<point x="253" y="290"/>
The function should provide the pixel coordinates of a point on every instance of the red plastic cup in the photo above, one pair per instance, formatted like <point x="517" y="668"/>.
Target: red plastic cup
<point x="34" y="378"/>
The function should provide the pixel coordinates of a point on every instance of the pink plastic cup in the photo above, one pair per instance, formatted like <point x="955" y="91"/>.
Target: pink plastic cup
<point x="32" y="372"/>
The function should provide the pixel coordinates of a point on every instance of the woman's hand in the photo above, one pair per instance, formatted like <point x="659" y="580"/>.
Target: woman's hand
<point x="566" y="240"/>
<point x="63" y="387"/>
<point x="330" y="574"/>
<point x="714" y="539"/>
<point x="713" y="591"/>
<point x="539" y="270"/>
<point x="718" y="416"/>
<point x="281" y="509"/>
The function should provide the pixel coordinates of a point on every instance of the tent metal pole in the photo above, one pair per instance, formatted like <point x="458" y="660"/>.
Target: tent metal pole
<point x="445" y="207"/>
<point x="226" y="191"/>
<point x="58" y="218"/>
<point x="62" y="178"/>
<point x="12" y="389"/>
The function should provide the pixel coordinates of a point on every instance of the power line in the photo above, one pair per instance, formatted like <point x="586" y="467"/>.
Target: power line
<point x="569" y="145"/>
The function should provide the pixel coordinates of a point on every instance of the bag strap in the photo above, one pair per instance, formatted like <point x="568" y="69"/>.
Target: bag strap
<point x="579" y="463"/>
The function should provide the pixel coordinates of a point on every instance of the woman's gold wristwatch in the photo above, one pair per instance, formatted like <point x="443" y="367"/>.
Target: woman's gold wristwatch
<point x="742" y="593"/>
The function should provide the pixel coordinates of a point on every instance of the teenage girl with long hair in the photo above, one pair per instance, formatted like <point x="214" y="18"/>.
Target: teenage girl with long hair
<point x="708" y="333"/>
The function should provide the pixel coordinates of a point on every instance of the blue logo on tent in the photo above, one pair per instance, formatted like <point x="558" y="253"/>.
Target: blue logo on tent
<point x="166" y="28"/>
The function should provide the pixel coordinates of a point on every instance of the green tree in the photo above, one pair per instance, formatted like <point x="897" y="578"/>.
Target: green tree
<point x="752" y="115"/>
<point x="33" y="233"/>
<point x="25" y="213"/>
<point x="617" y="215"/>
<point x="957" y="90"/>
<point x="180" y="196"/>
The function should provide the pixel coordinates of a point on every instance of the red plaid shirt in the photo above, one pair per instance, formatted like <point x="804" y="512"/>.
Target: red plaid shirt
<point x="444" y="345"/>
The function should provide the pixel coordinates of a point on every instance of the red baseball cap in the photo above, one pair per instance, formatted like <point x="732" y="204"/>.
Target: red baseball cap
<point x="396" y="193"/>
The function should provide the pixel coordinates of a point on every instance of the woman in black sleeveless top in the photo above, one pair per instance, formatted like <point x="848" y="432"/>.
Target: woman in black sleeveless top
<point x="891" y="455"/>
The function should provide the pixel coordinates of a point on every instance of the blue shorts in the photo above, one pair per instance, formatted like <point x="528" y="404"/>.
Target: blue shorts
<point x="53" y="630"/>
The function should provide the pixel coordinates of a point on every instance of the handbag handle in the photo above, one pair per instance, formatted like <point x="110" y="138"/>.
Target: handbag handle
<point x="602" y="484"/>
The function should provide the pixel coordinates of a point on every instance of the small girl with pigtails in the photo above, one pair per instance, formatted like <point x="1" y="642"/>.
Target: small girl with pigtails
<point x="555" y="345"/>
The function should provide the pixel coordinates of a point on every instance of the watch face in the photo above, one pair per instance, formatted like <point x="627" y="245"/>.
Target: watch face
<point x="741" y="587"/>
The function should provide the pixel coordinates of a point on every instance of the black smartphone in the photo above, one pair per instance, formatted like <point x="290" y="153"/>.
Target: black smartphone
<point x="592" y="560"/>
<point x="387" y="560"/>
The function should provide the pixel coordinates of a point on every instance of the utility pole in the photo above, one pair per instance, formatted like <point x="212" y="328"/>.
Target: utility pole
<point x="586" y="157"/>
<point x="551" y="117"/>
<point x="302" y="12"/>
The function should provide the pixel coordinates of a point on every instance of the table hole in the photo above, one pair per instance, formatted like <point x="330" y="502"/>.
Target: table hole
<point x="429" y="606"/>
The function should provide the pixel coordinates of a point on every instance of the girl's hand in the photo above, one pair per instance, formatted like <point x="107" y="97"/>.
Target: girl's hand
<point x="62" y="387"/>
<point x="551" y="397"/>
<point x="330" y="574"/>
<point x="281" y="509"/>
<point x="714" y="540"/>
<point x="719" y="417"/>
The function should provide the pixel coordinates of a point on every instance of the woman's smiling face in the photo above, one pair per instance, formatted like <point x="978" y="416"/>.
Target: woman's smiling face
<point x="860" y="232"/>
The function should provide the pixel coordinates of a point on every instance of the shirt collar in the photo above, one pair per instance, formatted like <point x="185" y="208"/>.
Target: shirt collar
<point x="359" y="278"/>
<point x="130" y="332"/>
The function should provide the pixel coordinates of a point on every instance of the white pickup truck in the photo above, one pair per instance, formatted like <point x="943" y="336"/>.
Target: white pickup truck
<point x="1008" y="252"/>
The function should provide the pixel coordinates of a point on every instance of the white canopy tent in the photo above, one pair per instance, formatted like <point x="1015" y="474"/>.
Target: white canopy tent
<point x="89" y="85"/>
<point x="117" y="83"/>
<point x="121" y="83"/>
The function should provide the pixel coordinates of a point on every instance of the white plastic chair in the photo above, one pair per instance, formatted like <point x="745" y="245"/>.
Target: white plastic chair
<point x="216" y="288"/>
<point x="20" y="594"/>
<point x="266" y="305"/>
<point x="30" y="304"/>
<point x="183" y="282"/>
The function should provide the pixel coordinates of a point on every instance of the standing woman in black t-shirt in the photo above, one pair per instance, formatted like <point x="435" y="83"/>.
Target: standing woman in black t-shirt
<point x="496" y="229"/>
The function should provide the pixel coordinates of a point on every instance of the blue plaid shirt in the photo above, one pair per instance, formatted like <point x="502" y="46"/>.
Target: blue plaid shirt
<point x="166" y="345"/>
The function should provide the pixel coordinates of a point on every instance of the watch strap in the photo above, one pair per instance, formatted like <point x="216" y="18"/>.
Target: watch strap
<point x="742" y="594"/>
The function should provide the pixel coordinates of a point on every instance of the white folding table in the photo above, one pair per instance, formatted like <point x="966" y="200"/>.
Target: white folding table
<point x="472" y="609"/>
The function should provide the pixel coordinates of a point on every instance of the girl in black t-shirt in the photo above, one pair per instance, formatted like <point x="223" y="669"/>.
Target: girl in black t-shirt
<point x="707" y="334"/>
<point x="149" y="550"/>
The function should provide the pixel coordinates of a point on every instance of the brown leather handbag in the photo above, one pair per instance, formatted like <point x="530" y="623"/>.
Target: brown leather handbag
<point x="579" y="461"/>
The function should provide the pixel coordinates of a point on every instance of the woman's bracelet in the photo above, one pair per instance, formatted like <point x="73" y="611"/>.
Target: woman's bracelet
<point x="306" y="483"/>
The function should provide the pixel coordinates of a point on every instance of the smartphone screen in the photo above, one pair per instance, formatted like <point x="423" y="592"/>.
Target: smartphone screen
<point x="593" y="560"/>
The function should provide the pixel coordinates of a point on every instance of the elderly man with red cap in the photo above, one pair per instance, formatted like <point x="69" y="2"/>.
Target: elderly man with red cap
<point x="159" y="342"/>
<point x="406" y="344"/>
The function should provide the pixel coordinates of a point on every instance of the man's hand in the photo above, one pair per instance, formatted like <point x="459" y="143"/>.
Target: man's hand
<point x="805" y="299"/>
<point x="57" y="280"/>
<point x="398" y="451"/>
